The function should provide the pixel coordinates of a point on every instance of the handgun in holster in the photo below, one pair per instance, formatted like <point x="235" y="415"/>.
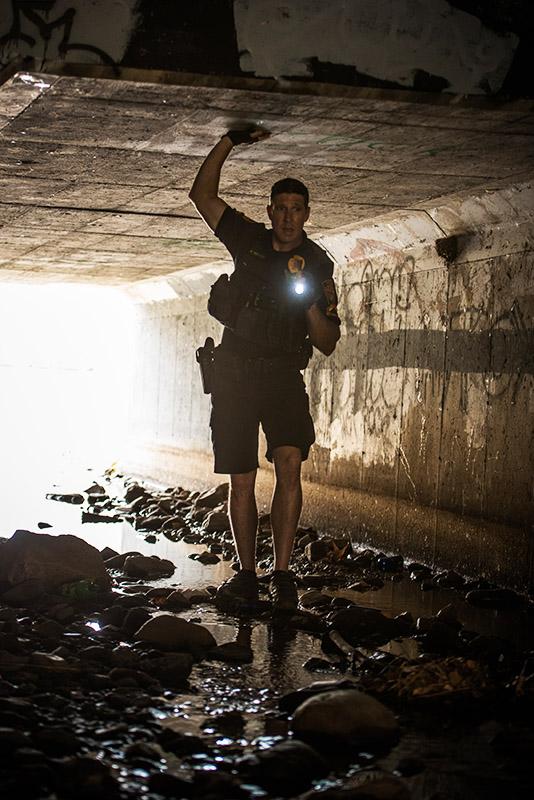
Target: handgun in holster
<point x="206" y="360"/>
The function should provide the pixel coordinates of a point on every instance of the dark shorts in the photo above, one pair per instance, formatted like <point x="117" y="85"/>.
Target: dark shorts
<point x="247" y="394"/>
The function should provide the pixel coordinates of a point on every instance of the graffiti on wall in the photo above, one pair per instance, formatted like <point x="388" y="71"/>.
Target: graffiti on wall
<point x="420" y="346"/>
<point x="49" y="30"/>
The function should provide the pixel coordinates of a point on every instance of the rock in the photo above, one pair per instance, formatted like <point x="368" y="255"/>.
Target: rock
<point x="233" y="653"/>
<point x="218" y="785"/>
<point x="95" y="488"/>
<point x="89" y="516"/>
<point x="229" y="723"/>
<point x="292" y="700"/>
<point x="197" y="595"/>
<point x="208" y="558"/>
<point x="48" y="661"/>
<point x="317" y="550"/>
<point x="213" y="497"/>
<point x="346" y="717"/>
<point x="152" y="523"/>
<point x="499" y="599"/>
<point x="437" y="636"/>
<point x="181" y="744"/>
<point x="48" y="629"/>
<point x="75" y="499"/>
<point x="174" y="523"/>
<point x="133" y="492"/>
<point x="148" y="567"/>
<point x="449" y="616"/>
<point x="418" y="571"/>
<point x="134" y="618"/>
<point x="117" y="561"/>
<point x="55" y="740"/>
<point x="54" y="560"/>
<point x="175" y="634"/>
<point x="87" y="778"/>
<point x="390" y="563"/>
<point x="367" y="785"/>
<point x="314" y="599"/>
<point x="364" y="560"/>
<point x="128" y="677"/>
<point x="359" y="623"/>
<point x="24" y="593"/>
<point x="315" y="664"/>
<point x="285" y="768"/>
<point x="216" y="521"/>
<point x="175" y="601"/>
<point x="449" y="580"/>
<point x="169" y="785"/>
<point x="108" y="552"/>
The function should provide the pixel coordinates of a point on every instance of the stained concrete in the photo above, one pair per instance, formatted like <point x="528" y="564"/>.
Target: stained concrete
<point x="94" y="173"/>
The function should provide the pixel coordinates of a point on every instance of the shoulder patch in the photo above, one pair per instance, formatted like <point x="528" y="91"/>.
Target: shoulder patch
<point x="330" y="294"/>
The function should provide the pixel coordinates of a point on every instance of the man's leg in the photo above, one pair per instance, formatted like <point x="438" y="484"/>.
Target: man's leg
<point x="286" y="503"/>
<point x="243" y="586"/>
<point x="244" y="517"/>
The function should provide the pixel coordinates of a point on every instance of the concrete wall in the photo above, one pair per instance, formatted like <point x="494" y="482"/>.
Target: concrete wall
<point x="426" y="39"/>
<point x="427" y="404"/>
<point x="427" y="45"/>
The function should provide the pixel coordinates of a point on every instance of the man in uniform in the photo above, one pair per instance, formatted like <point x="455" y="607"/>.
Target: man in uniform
<point x="279" y="301"/>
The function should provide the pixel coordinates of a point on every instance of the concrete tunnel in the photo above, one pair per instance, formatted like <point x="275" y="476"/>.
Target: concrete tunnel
<point x="424" y="414"/>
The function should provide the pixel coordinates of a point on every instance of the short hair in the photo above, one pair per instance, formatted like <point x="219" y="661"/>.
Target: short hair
<point x="290" y="186"/>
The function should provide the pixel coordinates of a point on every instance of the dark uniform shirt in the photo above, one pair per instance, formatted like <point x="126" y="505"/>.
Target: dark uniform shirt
<point x="251" y="242"/>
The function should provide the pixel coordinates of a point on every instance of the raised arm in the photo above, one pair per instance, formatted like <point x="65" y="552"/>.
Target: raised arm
<point x="204" y="192"/>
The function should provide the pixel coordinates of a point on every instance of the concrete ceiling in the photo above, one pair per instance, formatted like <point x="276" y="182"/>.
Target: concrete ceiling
<point x="94" y="173"/>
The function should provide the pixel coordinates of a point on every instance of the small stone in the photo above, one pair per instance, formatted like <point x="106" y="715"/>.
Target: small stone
<point x="314" y="599"/>
<point x="148" y="567"/>
<point x="216" y="521"/>
<point x="208" y="558"/>
<point x="169" y="785"/>
<point x="317" y="550"/>
<point x="232" y="652"/>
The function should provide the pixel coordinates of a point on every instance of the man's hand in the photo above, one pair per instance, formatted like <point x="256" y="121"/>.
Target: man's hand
<point x="247" y="135"/>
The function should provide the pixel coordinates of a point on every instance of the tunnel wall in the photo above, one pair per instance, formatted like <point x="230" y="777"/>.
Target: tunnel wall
<point x="424" y="413"/>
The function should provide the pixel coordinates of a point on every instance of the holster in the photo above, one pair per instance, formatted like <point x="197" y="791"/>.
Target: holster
<point x="206" y="360"/>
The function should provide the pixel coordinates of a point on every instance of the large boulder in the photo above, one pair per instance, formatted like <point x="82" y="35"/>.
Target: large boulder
<point x="49" y="560"/>
<point x="174" y="634"/>
<point x="347" y="717"/>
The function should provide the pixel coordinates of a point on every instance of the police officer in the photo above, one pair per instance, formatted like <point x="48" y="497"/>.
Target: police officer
<point x="279" y="302"/>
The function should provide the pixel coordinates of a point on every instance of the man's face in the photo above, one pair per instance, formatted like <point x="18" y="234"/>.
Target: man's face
<point x="288" y="213"/>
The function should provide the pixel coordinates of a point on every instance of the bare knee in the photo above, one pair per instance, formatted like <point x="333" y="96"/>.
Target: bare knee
<point x="287" y="463"/>
<point x="242" y="485"/>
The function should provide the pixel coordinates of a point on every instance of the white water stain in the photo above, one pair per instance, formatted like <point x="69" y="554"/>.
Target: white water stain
<point x="104" y="24"/>
<point x="388" y="39"/>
